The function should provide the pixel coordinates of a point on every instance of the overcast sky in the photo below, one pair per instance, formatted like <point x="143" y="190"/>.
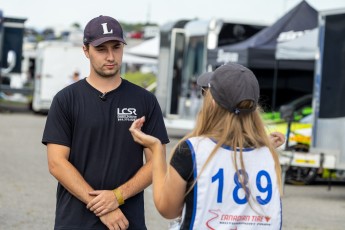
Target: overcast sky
<point x="63" y="13"/>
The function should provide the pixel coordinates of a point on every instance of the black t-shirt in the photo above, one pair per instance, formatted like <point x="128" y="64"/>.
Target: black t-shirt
<point x="102" y="148"/>
<point x="183" y="163"/>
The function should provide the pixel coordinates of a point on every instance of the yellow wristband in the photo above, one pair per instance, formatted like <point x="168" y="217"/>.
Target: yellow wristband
<point x="119" y="197"/>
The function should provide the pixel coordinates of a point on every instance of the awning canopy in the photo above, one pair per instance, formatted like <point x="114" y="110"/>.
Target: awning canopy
<point x="259" y="50"/>
<point x="301" y="48"/>
<point x="134" y="59"/>
<point x="149" y="48"/>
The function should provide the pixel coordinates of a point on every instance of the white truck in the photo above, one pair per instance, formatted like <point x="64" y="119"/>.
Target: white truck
<point x="55" y="63"/>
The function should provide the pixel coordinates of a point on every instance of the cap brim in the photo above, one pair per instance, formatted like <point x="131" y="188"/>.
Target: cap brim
<point x="100" y="41"/>
<point x="204" y="79"/>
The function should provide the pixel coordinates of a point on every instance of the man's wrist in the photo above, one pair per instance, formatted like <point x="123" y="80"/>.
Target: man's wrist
<point x="119" y="196"/>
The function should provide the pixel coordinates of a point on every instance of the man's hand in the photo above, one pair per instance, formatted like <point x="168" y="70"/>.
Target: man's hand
<point x="115" y="220"/>
<point x="104" y="202"/>
<point x="277" y="139"/>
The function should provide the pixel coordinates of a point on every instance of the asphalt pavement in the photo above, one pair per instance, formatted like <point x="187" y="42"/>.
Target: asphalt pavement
<point x="27" y="190"/>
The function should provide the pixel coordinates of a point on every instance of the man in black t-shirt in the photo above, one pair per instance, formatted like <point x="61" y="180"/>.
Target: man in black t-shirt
<point x="91" y="153"/>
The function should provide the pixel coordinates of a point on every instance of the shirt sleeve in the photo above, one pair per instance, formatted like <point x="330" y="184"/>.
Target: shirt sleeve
<point x="182" y="161"/>
<point x="58" y="125"/>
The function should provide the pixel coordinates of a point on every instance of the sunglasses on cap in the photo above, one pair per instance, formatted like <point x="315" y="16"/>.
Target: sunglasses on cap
<point x="204" y="90"/>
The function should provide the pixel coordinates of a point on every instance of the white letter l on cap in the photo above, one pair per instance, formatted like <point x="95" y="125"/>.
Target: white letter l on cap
<point x="105" y="29"/>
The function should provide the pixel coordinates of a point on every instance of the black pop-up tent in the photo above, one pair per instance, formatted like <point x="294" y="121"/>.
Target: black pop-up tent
<point x="258" y="54"/>
<point x="259" y="50"/>
<point x="302" y="50"/>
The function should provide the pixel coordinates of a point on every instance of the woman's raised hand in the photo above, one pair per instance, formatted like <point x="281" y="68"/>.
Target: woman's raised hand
<point x="140" y="137"/>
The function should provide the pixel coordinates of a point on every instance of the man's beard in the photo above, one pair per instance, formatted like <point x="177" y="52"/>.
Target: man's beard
<point x="106" y="75"/>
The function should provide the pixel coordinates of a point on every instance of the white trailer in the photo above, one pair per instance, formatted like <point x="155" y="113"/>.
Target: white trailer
<point x="183" y="50"/>
<point x="327" y="150"/>
<point x="54" y="66"/>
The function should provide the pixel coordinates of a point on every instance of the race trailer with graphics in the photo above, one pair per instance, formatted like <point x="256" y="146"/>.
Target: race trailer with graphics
<point x="183" y="50"/>
<point x="326" y="153"/>
<point x="14" y="90"/>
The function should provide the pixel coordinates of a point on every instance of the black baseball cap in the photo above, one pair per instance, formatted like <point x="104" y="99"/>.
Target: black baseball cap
<point x="204" y="79"/>
<point x="102" y="29"/>
<point x="233" y="83"/>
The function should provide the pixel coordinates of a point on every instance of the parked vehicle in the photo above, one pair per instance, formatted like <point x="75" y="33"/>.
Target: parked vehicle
<point x="326" y="154"/>
<point x="55" y="63"/>
<point x="183" y="57"/>
<point x="14" y="93"/>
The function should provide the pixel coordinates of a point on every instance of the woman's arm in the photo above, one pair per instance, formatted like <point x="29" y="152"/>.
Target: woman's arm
<point x="168" y="187"/>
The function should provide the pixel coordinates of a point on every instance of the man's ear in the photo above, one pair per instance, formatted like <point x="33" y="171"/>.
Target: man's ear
<point x="86" y="51"/>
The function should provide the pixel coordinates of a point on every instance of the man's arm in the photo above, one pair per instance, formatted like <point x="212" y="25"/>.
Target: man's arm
<point x="66" y="173"/>
<point x="106" y="201"/>
<point x="72" y="180"/>
<point x="141" y="180"/>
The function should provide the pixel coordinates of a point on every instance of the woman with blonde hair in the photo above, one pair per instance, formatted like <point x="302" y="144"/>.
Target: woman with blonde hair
<point x="225" y="174"/>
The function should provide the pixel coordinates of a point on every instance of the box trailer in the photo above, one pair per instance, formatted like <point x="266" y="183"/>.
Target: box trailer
<point x="55" y="63"/>
<point x="183" y="49"/>
<point x="14" y="90"/>
<point x="327" y="148"/>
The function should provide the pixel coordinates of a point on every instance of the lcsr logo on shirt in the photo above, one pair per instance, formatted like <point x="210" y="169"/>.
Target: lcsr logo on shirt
<point x="126" y="114"/>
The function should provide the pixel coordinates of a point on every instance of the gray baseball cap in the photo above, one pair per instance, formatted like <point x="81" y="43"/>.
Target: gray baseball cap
<point x="233" y="83"/>
<point x="204" y="79"/>
<point x="102" y="29"/>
